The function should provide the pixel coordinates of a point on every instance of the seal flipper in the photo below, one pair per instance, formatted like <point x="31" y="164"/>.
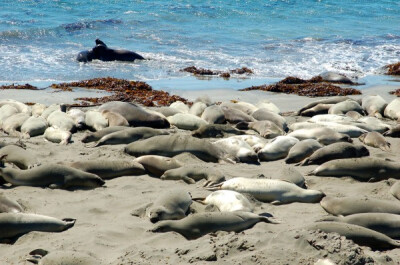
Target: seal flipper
<point x="99" y="42"/>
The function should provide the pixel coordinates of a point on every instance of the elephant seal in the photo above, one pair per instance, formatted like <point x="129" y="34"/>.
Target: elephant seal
<point x="375" y="139"/>
<point x="213" y="115"/>
<point x="395" y="190"/>
<point x="109" y="169"/>
<point x="200" y="224"/>
<point x="5" y="112"/>
<point x="33" y="126"/>
<point x="186" y="121"/>
<point x="266" y="128"/>
<point x="393" y="132"/>
<point x="330" y="118"/>
<point x="287" y="173"/>
<point x="330" y="100"/>
<point x="61" y="120"/>
<point x="266" y="104"/>
<point x="103" y="53"/>
<point x="21" y="107"/>
<point x="374" y="105"/>
<point x="14" y="225"/>
<point x="129" y="135"/>
<point x="190" y="173"/>
<point x="172" y="205"/>
<point x="95" y="136"/>
<point x="228" y="201"/>
<point x="354" y="115"/>
<point x="44" y="257"/>
<point x="215" y="131"/>
<point x="197" y="108"/>
<point x="24" y="159"/>
<point x="266" y="115"/>
<point x="278" y="148"/>
<point x="179" y="105"/>
<point x="12" y="125"/>
<point x="333" y="77"/>
<point x="240" y="106"/>
<point x="353" y="205"/>
<point x="171" y="145"/>
<point x="392" y="110"/>
<point x="316" y="110"/>
<point x="57" y="135"/>
<point x="238" y="149"/>
<point x="9" y="206"/>
<point x="345" y="106"/>
<point x="302" y="150"/>
<point x="167" y="111"/>
<point x="255" y="141"/>
<point x="324" y="135"/>
<point x="51" y="175"/>
<point x="273" y="191"/>
<point x="235" y="116"/>
<point x="335" y="151"/>
<point x="95" y="120"/>
<point x="349" y="129"/>
<point x="53" y="107"/>
<point x="157" y="165"/>
<point x="114" y="119"/>
<point x="136" y="115"/>
<point x="358" y="234"/>
<point x="362" y="169"/>
<point x="78" y="116"/>
<point x="385" y="223"/>
<point x="372" y="124"/>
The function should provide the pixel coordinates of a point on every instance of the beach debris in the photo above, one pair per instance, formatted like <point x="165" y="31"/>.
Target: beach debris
<point x="201" y="71"/>
<point x="124" y="90"/>
<point x="314" y="87"/>
<point x="13" y="86"/>
<point x="393" y="69"/>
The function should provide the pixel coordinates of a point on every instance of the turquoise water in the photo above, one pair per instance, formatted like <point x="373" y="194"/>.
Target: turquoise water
<point x="39" y="40"/>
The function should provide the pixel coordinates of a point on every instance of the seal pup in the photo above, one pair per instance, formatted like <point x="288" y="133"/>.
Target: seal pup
<point x="331" y="118"/>
<point x="78" y="116"/>
<point x="213" y="115"/>
<point x="288" y="173"/>
<point x="235" y="116"/>
<point x="103" y="53"/>
<point x="335" y="151"/>
<point x="266" y="104"/>
<point x="186" y="121"/>
<point x="61" y="120"/>
<point x="54" y="176"/>
<point x="57" y="135"/>
<point x="227" y="201"/>
<point x="114" y="119"/>
<point x="302" y="150"/>
<point x="273" y="191"/>
<point x="128" y="136"/>
<point x="323" y="135"/>
<point x="238" y="149"/>
<point x="109" y="169"/>
<point x="353" y="205"/>
<point x="239" y="105"/>
<point x="190" y="173"/>
<point x="9" y="206"/>
<point x="316" y="110"/>
<point x="346" y="106"/>
<point x="362" y="169"/>
<point x="197" y="108"/>
<point x="395" y="190"/>
<point x="215" y="131"/>
<point x="179" y="105"/>
<point x="376" y="140"/>
<point x="95" y="120"/>
<point x="5" y="112"/>
<point x="330" y="100"/>
<point x="14" y="225"/>
<point x="333" y="77"/>
<point x="37" y="109"/>
<point x="95" y="136"/>
<point x="21" y="107"/>
<point x="33" y="126"/>
<point x="156" y="165"/>
<point x="171" y="145"/>
<point x="265" y="114"/>
<point x="44" y="257"/>
<point x="171" y="205"/>
<point x="393" y="132"/>
<point x="354" y="115"/>
<point x="385" y="223"/>
<point x="12" y="125"/>
<point x="167" y="111"/>
<point x="358" y="234"/>
<point x="23" y="159"/>
<point x="255" y="141"/>
<point x="392" y="110"/>
<point x="200" y="224"/>
<point x="266" y="128"/>
<point x="374" y="105"/>
<point x="278" y="148"/>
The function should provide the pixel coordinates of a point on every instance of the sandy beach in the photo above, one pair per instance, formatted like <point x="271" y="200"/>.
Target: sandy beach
<point x="106" y="230"/>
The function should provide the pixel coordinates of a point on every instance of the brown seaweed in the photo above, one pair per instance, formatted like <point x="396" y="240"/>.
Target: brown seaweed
<point x="393" y="69"/>
<point x="13" y="86"/>
<point x="201" y="71"/>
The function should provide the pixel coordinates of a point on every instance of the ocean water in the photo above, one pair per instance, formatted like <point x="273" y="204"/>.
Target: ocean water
<point x="39" y="39"/>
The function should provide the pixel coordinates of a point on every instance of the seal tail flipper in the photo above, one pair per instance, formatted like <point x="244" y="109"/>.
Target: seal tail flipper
<point x="329" y="219"/>
<point x="214" y="187"/>
<point x="269" y="218"/>
<point x="305" y="162"/>
<point x="69" y="222"/>
<point x="199" y="200"/>
<point x="37" y="255"/>
<point x="188" y="180"/>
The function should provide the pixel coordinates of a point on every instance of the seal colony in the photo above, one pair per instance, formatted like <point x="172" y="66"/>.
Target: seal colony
<point x="146" y="186"/>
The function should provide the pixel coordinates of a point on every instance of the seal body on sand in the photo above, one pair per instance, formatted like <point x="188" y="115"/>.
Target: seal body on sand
<point x="278" y="148"/>
<point x="238" y="149"/>
<point x="316" y="110"/>
<point x="333" y="77"/>
<point x="235" y="116"/>
<point x="375" y="139"/>
<point x="215" y="131"/>
<point x="255" y="141"/>
<point x="353" y="205"/>
<point x="330" y="100"/>
<point x="288" y="173"/>
<point x="395" y="190"/>
<point x="374" y="105"/>
<point x="167" y="111"/>
<point x="323" y="135"/>
<point x="103" y="53"/>
<point x="20" y="157"/>
<point x="393" y="132"/>
<point x="271" y="190"/>
<point x="157" y="165"/>
<point x="192" y="173"/>
<point x="95" y="136"/>
<point x="266" y="115"/>
<point x="358" y="234"/>
<point x="43" y="257"/>
<point x="392" y="110"/>
<point x="136" y="115"/>
<point x="114" y="119"/>
<point x="213" y="114"/>
<point x="16" y="224"/>
<point x="129" y="135"/>
<point x="198" y="108"/>
<point x="61" y="120"/>
<point x="95" y="120"/>
<point x="5" y="112"/>
<point x="363" y="169"/>
<point x="335" y="151"/>
<point x="302" y="150"/>
<point x="51" y="175"/>
<point x="266" y="129"/>
<point x="354" y="115"/>
<point x="108" y="169"/>
<point x="57" y="135"/>
<point x="186" y="121"/>
<point x="229" y="201"/>
<point x="171" y="145"/>
<point x="21" y="107"/>
<point x="12" y="125"/>
<point x="33" y="126"/>
<point x="200" y="224"/>
<point x="385" y="223"/>
<point x="78" y="116"/>
<point x="172" y="205"/>
<point x="9" y="206"/>
<point x="330" y="118"/>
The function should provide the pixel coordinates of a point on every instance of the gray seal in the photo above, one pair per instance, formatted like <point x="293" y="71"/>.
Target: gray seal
<point x="200" y="224"/>
<point x="353" y="205"/>
<point x="335" y="151"/>
<point x="302" y="150"/>
<point x="190" y="173"/>
<point x="171" y="145"/>
<point x="14" y="225"/>
<point x="51" y="175"/>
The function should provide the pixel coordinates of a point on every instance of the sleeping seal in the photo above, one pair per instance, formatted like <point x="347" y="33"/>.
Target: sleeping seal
<point x="9" y="206"/>
<point x="302" y="150"/>
<point x="228" y="201"/>
<point x="374" y="105"/>
<point x="20" y="157"/>
<point x="376" y="140"/>
<point x="64" y="257"/>
<point x="156" y="165"/>
<point x="190" y="173"/>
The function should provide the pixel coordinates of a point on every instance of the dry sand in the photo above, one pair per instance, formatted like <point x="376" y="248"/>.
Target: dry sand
<point x="106" y="230"/>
